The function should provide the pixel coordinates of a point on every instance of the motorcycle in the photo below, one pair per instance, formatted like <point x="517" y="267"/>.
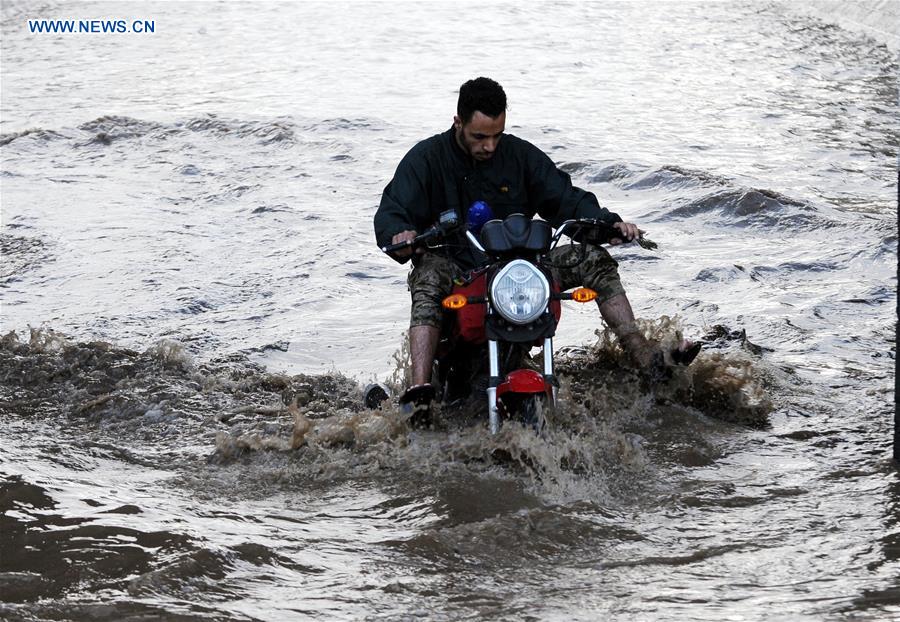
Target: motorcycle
<point x="496" y="313"/>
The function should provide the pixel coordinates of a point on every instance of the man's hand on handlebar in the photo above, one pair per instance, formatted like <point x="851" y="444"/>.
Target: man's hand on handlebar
<point x="406" y="236"/>
<point x="629" y="232"/>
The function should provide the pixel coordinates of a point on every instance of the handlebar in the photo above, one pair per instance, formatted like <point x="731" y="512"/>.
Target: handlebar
<point x="432" y="232"/>
<point x="447" y="222"/>
<point x="419" y="239"/>
<point x="586" y="230"/>
<point x="596" y="231"/>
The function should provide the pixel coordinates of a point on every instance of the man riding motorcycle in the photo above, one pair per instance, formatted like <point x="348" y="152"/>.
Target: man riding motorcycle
<point x="476" y="161"/>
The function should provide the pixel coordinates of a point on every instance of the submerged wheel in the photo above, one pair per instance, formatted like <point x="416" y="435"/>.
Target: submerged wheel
<point x="533" y="412"/>
<point x="528" y="409"/>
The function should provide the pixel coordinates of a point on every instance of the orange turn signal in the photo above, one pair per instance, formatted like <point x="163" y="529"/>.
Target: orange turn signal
<point x="456" y="301"/>
<point x="583" y="294"/>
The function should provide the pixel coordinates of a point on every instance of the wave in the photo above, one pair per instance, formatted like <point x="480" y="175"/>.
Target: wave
<point x="635" y="177"/>
<point x="107" y="129"/>
<point x="688" y="194"/>
<point x="751" y="207"/>
<point x="674" y="176"/>
<point x="342" y="124"/>
<point x="762" y="273"/>
<point x="280" y="130"/>
<point x="232" y="405"/>
<point x="65" y="551"/>
<point x="631" y="176"/>
<point x="111" y="128"/>
<point x="887" y="246"/>
<point x="20" y="254"/>
<point x="36" y="133"/>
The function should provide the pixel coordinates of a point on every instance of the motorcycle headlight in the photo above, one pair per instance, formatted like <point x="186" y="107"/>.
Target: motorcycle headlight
<point x="520" y="292"/>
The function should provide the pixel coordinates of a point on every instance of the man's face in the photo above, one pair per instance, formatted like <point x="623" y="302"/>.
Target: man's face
<point x="481" y="135"/>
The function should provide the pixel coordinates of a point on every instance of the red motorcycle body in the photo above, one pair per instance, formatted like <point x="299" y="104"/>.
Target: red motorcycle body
<point x="469" y="327"/>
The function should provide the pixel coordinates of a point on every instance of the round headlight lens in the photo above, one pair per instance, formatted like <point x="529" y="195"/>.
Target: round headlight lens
<point x="520" y="292"/>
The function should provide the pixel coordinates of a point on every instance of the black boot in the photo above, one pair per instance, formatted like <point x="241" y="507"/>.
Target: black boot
<point x="374" y="395"/>
<point x="416" y="401"/>
<point x="686" y="357"/>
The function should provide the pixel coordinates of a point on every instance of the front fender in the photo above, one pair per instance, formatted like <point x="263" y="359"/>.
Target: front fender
<point x="523" y="381"/>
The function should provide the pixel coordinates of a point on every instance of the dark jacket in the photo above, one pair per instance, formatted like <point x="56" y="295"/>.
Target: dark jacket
<point x="437" y="175"/>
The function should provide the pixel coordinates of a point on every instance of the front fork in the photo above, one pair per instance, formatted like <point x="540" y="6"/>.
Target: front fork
<point x="494" y="382"/>
<point x="549" y="378"/>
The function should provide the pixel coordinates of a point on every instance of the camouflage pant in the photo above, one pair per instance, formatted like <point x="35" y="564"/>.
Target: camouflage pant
<point x="431" y="279"/>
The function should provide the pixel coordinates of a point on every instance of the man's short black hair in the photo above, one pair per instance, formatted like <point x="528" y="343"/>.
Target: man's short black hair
<point x="483" y="95"/>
